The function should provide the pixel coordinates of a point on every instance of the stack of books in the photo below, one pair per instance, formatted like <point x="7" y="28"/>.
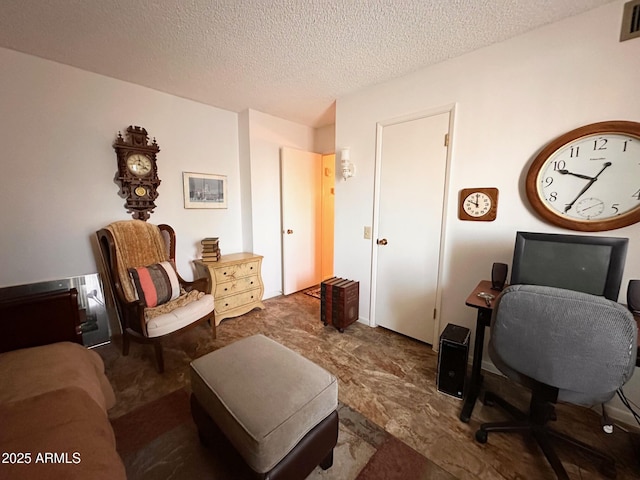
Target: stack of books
<point x="339" y="301"/>
<point x="210" y="249"/>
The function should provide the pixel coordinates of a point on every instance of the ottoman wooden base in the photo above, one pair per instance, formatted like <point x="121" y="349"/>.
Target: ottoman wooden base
<point x="315" y="448"/>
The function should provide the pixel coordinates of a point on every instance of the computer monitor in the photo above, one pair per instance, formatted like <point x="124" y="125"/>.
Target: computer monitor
<point x="583" y="263"/>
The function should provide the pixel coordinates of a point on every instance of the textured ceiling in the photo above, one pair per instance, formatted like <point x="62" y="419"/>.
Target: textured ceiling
<point x="288" y="58"/>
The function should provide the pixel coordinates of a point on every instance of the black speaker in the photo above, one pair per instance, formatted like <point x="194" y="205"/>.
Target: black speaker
<point x="452" y="360"/>
<point x="633" y="296"/>
<point x="498" y="276"/>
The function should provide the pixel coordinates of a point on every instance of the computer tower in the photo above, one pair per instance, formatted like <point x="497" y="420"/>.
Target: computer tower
<point x="452" y="360"/>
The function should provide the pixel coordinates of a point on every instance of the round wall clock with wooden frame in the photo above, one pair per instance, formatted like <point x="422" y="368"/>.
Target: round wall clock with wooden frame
<point x="589" y="178"/>
<point x="137" y="171"/>
<point x="478" y="204"/>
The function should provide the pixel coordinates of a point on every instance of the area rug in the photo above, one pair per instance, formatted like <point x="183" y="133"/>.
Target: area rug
<point x="313" y="291"/>
<point x="160" y="441"/>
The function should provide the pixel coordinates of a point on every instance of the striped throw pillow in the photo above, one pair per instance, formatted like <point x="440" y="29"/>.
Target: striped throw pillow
<point x="155" y="284"/>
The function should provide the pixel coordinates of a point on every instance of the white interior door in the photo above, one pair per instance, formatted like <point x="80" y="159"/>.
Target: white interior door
<point x="301" y="194"/>
<point x="412" y="176"/>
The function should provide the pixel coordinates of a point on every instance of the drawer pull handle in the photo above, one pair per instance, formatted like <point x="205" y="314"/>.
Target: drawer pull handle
<point x="224" y="273"/>
<point x="226" y="304"/>
<point x="251" y="282"/>
<point x="251" y="268"/>
<point x="225" y="289"/>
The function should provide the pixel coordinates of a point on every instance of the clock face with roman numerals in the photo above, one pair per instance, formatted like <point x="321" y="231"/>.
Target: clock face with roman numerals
<point x="589" y="179"/>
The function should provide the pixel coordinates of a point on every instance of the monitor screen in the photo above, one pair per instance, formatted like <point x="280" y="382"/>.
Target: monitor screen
<point x="583" y="263"/>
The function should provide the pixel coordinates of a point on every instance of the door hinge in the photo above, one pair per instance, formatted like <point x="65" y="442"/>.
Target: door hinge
<point x="446" y="139"/>
<point x="435" y="313"/>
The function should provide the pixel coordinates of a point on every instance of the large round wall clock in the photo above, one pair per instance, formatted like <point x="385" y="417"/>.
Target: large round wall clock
<point x="589" y="178"/>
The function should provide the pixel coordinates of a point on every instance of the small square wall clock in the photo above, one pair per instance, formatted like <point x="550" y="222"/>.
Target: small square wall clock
<point x="478" y="204"/>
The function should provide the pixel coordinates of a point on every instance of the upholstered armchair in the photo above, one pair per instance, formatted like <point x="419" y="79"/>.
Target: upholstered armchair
<point x="152" y="300"/>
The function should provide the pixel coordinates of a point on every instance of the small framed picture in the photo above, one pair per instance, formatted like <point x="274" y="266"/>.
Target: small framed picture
<point x="204" y="190"/>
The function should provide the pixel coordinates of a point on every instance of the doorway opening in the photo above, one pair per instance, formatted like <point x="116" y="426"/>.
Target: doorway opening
<point x="307" y="203"/>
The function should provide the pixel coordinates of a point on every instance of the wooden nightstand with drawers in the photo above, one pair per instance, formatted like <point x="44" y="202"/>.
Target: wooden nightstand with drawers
<point x="236" y="283"/>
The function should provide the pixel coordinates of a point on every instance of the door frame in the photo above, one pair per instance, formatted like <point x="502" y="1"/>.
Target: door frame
<point x="380" y="126"/>
<point x="327" y="213"/>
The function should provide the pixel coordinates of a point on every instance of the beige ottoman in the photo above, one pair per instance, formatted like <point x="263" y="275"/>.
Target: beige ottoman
<point x="277" y="408"/>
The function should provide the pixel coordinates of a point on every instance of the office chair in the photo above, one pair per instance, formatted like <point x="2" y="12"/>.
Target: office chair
<point x="565" y="346"/>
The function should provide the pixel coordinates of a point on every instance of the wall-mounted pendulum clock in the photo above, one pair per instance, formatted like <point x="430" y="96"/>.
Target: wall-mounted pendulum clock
<point x="137" y="171"/>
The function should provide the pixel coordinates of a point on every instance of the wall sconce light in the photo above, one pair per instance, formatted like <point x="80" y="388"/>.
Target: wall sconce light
<point x="348" y="168"/>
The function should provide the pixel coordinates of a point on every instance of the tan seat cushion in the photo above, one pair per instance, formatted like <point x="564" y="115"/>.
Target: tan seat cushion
<point x="178" y="313"/>
<point x="263" y="396"/>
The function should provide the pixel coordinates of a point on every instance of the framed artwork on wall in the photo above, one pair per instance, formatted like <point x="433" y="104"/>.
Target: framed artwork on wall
<point x="204" y="190"/>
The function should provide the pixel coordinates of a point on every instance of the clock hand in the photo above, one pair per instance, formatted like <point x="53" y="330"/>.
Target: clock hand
<point x="587" y="187"/>
<point x="592" y="206"/>
<point x="567" y="172"/>
<point x="476" y="203"/>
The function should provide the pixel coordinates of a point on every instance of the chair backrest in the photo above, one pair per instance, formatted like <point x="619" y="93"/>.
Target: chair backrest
<point x="582" y="344"/>
<point x="135" y="244"/>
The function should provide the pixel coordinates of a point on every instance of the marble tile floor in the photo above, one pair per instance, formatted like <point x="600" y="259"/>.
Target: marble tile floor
<point x="388" y="378"/>
<point x="159" y="441"/>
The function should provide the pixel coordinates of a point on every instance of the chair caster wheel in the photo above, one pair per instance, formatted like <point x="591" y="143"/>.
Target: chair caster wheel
<point x="341" y="330"/>
<point x="481" y="436"/>
<point x="324" y="323"/>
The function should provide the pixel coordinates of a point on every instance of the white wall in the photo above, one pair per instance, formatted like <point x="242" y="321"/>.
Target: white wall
<point x="244" y="147"/>
<point x="325" y="139"/>
<point x="57" y="131"/>
<point x="511" y="99"/>
<point x="267" y="135"/>
<point x="57" y="128"/>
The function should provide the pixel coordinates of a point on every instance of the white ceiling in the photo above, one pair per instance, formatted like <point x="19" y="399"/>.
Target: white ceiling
<point x="288" y="58"/>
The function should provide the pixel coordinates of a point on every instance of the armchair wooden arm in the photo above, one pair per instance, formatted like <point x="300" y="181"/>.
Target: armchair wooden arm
<point x="201" y="284"/>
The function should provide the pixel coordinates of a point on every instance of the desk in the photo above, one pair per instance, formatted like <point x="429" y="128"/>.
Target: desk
<point x="483" y="319"/>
